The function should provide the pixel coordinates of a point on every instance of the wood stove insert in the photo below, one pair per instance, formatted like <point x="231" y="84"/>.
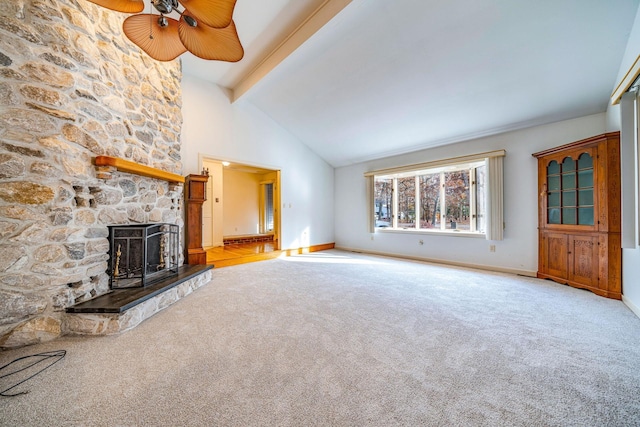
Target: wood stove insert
<point x="141" y="254"/>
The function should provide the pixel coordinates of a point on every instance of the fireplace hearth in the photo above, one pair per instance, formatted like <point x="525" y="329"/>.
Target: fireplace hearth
<point x="142" y="254"/>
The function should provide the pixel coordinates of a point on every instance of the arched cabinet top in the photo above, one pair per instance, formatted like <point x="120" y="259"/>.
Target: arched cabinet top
<point x="569" y="164"/>
<point x="593" y="141"/>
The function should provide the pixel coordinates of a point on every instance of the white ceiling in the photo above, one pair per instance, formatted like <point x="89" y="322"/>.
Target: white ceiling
<point x="392" y="76"/>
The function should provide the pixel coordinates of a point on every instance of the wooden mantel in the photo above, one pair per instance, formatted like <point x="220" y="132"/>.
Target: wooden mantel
<point x="136" y="168"/>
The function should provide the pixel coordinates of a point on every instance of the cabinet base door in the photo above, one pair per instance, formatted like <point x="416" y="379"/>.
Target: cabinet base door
<point x="583" y="260"/>
<point x="554" y="254"/>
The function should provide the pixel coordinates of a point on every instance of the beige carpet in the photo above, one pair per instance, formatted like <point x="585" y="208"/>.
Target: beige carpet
<point x="341" y="339"/>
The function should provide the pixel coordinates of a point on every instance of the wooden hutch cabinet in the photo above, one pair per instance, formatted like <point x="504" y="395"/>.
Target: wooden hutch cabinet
<point x="579" y="215"/>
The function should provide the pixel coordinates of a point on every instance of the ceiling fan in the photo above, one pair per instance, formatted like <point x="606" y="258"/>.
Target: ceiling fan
<point x="204" y="28"/>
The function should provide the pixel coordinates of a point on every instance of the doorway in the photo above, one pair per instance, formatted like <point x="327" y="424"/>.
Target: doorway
<point x="241" y="219"/>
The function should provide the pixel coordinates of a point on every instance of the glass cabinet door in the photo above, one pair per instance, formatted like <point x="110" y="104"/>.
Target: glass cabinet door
<point x="554" y="204"/>
<point x="570" y="191"/>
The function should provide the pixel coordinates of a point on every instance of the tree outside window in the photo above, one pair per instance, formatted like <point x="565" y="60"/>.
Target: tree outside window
<point x="430" y="201"/>
<point x="407" y="202"/>
<point x="383" y="202"/>
<point x="456" y="186"/>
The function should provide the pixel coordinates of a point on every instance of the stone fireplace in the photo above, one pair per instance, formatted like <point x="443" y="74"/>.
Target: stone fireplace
<point x="73" y="88"/>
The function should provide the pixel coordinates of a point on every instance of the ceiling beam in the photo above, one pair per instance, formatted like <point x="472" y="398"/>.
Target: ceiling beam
<point x="319" y="18"/>
<point x="626" y="82"/>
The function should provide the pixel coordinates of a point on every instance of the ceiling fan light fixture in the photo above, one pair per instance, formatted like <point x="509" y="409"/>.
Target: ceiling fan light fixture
<point x="190" y="21"/>
<point x="165" y="6"/>
<point x="205" y="28"/>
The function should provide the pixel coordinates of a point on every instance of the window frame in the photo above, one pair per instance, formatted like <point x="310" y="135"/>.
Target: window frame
<point x="266" y="207"/>
<point x="469" y="167"/>
<point x="493" y="194"/>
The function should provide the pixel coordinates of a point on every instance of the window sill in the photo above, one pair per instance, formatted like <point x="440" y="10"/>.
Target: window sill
<point x="448" y="233"/>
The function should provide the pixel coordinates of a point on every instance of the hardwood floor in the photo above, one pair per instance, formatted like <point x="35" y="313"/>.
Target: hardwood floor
<point x="225" y="256"/>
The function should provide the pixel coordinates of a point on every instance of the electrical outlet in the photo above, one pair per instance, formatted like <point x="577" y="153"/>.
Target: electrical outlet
<point x="492" y="248"/>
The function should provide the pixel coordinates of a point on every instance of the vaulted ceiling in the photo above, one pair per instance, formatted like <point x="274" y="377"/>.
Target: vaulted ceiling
<point x="361" y="79"/>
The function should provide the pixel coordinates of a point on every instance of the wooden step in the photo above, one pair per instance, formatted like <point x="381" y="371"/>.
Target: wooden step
<point x="244" y="259"/>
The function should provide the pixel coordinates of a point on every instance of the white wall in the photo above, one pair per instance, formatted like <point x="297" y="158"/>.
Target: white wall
<point x="519" y="249"/>
<point x="241" y="133"/>
<point x="630" y="257"/>
<point x="241" y="203"/>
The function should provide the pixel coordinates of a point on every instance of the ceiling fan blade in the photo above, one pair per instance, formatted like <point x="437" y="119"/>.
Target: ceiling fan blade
<point x="214" y="13"/>
<point x="127" y="6"/>
<point x="161" y="43"/>
<point x="221" y="44"/>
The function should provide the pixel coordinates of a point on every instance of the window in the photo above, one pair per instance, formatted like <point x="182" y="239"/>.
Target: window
<point x="462" y="195"/>
<point x="383" y="202"/>
<point x="406" y="202"/>
<point x="429" y="200"/>
<point x="266" y="207"/>
<point x="432" y="199"/>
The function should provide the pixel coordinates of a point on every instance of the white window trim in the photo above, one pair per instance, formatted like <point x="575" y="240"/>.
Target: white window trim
<point x="435" y="163"/>
<point x="626" y="94"/>
<point x="432" y="232"/>
<point x="371" y="222"/>
<point x="473" y="195"/>
<point x="494" y="194"/>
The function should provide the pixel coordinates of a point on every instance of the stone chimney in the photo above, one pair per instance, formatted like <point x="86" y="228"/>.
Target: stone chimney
<point x="73" y="87"/>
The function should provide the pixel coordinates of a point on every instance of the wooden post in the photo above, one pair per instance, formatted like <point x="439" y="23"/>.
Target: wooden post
<point x="195" y="194"/>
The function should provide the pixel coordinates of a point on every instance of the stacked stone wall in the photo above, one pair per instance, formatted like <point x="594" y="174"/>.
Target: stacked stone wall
<point x="72" y="87"/>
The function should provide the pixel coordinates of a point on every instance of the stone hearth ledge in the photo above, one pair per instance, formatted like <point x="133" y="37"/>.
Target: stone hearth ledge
<point x="114" y="323"/>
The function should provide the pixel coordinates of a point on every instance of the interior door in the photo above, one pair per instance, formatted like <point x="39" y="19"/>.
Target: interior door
<point x="207" y="213"/>
<point x="207" y="218"/>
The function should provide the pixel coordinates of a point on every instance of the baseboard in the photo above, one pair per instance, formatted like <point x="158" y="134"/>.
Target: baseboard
<point x="527" y="273"/>
<point x="631" y="306"/>
<point x="213" y="245"/>
<point x="309" y="249"/>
